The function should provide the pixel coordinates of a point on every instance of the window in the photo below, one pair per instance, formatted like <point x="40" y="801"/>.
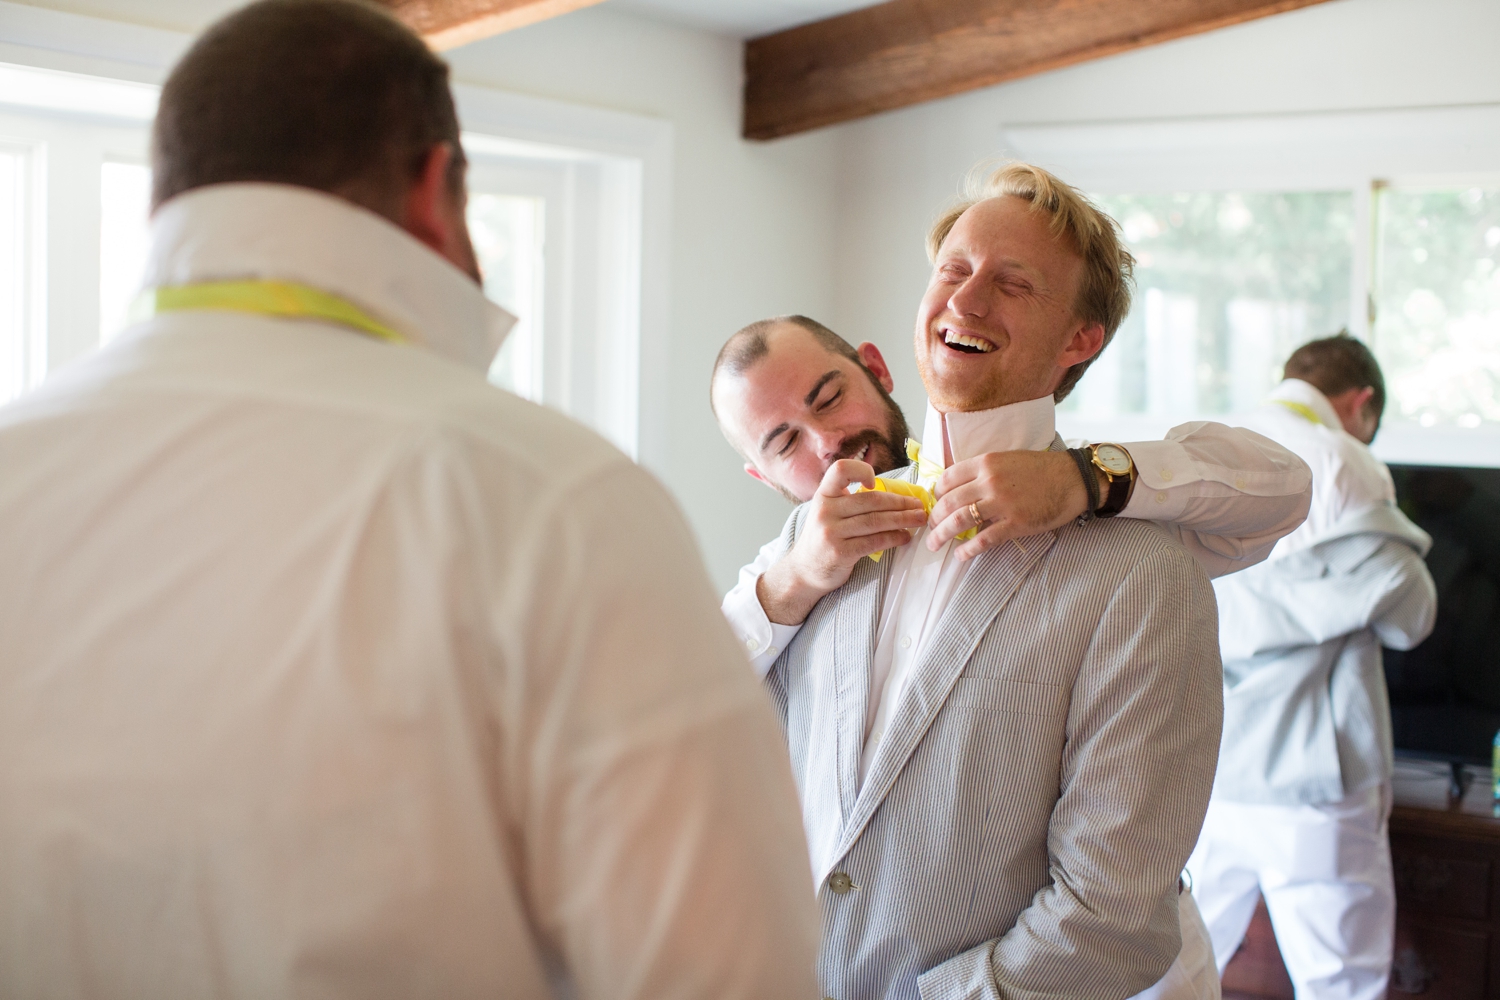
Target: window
<point x="124" y="240"/>
<point x="1228" y="284"/>
<point x="17" y="346"/>
<point x="558" y="209"/>
<point x="1436" y="315"/>
<point x="1294" y="226"/>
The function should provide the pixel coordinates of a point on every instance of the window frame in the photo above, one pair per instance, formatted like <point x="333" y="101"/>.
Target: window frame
<point x="619" y="166"/>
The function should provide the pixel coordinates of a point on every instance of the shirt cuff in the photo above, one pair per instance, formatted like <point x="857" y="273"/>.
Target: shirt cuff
<point x="762" y="639"/>
<point x="1162" y="468"/>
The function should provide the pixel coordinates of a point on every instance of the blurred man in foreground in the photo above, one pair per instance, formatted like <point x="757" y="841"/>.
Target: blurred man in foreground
<point x="329" y="669"/>
<point x="1301" y="799"/>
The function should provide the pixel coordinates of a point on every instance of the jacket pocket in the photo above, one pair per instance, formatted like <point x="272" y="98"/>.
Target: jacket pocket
<point x="1009" y="696"/>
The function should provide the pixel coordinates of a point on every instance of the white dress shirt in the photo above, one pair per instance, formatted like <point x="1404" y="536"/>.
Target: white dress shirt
<point x="1347" y="477"/>
<point x="922" y="581"/>
<point x="1227" y="494"/>
<point x="330" y="669"/>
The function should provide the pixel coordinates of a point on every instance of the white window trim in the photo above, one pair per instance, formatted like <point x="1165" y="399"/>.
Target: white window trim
<point x="1334" y="151"/>
<point x="631" y="336"/>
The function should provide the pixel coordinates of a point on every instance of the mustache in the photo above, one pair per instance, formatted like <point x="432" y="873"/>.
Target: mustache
<point x="871" y="439"/>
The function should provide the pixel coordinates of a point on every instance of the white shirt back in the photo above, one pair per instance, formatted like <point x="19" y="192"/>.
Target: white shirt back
<point x="329" y="669"/>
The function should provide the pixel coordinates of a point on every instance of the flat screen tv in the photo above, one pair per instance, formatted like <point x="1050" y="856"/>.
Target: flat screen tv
<point x="1445" y="693"/>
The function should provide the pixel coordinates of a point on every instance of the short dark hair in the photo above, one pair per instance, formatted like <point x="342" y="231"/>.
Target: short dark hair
<point x="1337" y="364"/>
<point x="334" y="95"/>
<point x="751" y="343"/>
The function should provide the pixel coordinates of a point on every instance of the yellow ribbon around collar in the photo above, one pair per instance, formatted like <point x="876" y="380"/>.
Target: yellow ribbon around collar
<point x="284" y="299"/>
<point x="926" y="469"/>
<point x="1305" y="412"/>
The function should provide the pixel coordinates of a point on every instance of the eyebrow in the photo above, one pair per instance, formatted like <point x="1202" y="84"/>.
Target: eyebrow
<point x="807" y="400"/>
<point x="812" y="394"/>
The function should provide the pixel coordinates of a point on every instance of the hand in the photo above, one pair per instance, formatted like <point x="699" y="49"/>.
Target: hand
<point x="840" y="529"/>
<point x="1019" y="493"/>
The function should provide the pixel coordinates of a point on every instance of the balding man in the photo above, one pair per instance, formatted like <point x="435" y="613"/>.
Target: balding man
<point x="329" y="669"/>
<point x="1004" y="760"/>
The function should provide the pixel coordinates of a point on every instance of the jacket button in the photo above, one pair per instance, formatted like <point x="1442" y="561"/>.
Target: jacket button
<point x="840" y="883"/>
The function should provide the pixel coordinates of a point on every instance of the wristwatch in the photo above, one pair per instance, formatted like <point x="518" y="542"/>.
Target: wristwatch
<point x="1119" y="469"/>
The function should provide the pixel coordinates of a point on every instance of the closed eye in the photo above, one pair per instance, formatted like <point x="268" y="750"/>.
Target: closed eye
<point x="830" y="401"/>
<point x="786" y="449"/>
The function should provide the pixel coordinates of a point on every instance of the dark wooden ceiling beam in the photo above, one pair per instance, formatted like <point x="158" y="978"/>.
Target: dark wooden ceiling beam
<point x="907" y="51"/>
<point x="447" y="24"/>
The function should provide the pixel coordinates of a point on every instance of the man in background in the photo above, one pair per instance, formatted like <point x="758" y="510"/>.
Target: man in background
<point x="329" y="669"/>
<point x="1302" y="794"/>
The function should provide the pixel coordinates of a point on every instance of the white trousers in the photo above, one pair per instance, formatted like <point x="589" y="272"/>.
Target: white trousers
<point x="1192" y="975"/>
<point x="1325" y="873"/>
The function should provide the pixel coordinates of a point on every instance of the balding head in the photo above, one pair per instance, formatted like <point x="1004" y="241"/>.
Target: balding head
<point x="792" y="397"/>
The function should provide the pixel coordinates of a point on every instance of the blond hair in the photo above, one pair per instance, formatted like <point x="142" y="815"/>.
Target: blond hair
<point x="1108" y="268"/>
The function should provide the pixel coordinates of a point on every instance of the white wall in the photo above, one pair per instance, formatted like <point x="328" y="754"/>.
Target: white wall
<point x="897" y="170"/>
<point x="752" y="232"/>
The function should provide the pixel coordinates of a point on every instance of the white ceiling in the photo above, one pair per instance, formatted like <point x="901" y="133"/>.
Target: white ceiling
<point x="740" y="18"/>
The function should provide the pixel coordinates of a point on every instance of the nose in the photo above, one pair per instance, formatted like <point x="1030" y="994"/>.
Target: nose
<point x="828" y="443"/>
<point x="968" y="299"/>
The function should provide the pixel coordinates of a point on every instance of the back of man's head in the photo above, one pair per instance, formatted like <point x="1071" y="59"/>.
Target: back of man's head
<point x="1334" y="365"/>
<point x="334" y="95"/>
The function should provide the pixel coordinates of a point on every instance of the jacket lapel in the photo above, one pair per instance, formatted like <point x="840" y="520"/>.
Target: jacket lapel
<point x="989" y="584"/>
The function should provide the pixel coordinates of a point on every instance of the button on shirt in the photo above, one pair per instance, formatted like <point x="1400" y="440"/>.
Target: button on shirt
<point x="330" y="669"/>
<point x="1227" y="494"/>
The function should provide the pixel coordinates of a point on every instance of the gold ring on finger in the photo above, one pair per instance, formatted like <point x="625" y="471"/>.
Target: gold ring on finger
<point x="974" y="514"/>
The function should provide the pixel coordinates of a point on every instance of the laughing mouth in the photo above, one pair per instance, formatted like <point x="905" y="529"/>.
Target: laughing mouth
<point x="965" y="343"/>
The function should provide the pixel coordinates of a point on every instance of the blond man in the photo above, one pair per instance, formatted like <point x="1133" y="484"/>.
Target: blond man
<point x="1003" y="761"/>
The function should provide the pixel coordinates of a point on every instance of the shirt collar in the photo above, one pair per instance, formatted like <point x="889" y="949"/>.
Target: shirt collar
<point x="1028" y="426"/>
<point x="279" y="232"/>
<point x="1294" y="390"/>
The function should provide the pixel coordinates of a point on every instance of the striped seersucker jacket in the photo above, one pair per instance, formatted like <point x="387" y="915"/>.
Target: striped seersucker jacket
<point x="1041" y="784"/>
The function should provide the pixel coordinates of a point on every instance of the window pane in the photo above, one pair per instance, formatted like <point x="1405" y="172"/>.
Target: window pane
<point x="1437" y="304"/>
<point x="13" y="271"/>
<point x="507" y="235"/>
<point x="1227" y="286"/>
<point x="124" y="241"/>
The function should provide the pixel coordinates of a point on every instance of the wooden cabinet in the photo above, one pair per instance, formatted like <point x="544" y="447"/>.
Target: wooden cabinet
<point x="1446" y="857"/>
<point x="1448" y="899"/>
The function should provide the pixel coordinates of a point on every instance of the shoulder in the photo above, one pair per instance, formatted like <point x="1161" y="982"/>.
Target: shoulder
<point x="1345" y="471"/>
<point x="1112" y="550"/>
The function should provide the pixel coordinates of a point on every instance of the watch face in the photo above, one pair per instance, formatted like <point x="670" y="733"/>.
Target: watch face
<point x="1114" y="459"/>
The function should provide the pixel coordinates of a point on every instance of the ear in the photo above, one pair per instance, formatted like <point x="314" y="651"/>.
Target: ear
<point x="871" y="358"/>
<point x="424" y="214"/>
<point x="1087" y="341"/>
<point x="754" y="473"/>
<point x="1362" y="398"/>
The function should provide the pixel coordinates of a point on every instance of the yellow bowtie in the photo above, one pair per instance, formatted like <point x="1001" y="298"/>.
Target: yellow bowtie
<point x="926" y="470"/>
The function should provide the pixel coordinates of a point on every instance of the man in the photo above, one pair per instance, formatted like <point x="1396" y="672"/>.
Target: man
<point x="1003" y="761"/>
<point x="329" y="669"/>
<point x="1300" y="803"/>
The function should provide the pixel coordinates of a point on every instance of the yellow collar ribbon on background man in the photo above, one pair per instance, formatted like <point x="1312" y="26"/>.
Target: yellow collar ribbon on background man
<point x="284" y="299"/>
<point x="928" y="471"/>
<point x="1302" y="410"/>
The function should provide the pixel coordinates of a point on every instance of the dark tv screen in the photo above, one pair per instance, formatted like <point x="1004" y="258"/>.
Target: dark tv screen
<point x="1445" y="693"/>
